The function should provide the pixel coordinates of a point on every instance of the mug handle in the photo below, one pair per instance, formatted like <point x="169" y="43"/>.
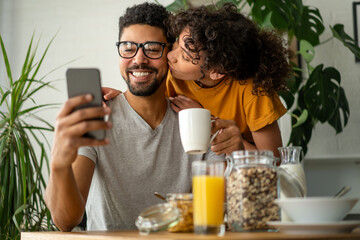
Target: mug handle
<point x="214" y="136"/>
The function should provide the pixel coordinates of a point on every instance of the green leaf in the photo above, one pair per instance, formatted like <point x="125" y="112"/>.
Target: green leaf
<point x="321" y="92"/>
<point x="310" y="27"/>
<point x="279" y="11"/>
<point x="296" y="10"/>
<point x="18" y="211"/>
<point x="267" y="22"/>
<point x="176" y="5"/>
<point x="307" y="51"/>
<point x="4" y="97"/>
<point x="6" y="60"/>
<point x="37" y="107"/>
<point x="288" y="98"/>
<point x="343" y="107"/>
<point x="301" y="119"/>
<point x="42" y="58"/>
<point x="339" y="33"/>
<point x="25" y="67"/>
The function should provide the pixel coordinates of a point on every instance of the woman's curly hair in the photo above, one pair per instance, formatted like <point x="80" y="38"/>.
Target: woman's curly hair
<point x="235" y="46"/>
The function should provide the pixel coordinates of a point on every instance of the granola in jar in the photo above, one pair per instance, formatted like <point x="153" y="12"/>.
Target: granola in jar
<point x="251" y="188"/>
<point x="183" y="201"/>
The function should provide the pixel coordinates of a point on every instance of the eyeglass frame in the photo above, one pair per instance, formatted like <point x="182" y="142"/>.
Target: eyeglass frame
<point x="141" y="45"/>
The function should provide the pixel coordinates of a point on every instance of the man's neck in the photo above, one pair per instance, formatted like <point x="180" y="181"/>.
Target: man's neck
<point x="152" y="108"/>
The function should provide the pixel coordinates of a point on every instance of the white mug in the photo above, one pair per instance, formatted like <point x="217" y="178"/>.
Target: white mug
<point x="195" y="130"/>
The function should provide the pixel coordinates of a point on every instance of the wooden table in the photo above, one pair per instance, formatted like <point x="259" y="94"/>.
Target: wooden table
<point x="131" y="235"/>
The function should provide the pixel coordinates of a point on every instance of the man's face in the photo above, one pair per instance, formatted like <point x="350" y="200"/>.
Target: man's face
<point x="142" y="74"/>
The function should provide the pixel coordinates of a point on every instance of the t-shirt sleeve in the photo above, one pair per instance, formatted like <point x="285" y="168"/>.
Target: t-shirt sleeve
<point x="263" y="110"/>
<point x="88" y="152"/>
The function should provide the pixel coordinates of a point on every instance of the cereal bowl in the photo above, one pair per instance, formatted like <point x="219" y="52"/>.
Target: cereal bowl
<point x="316" y="209"/>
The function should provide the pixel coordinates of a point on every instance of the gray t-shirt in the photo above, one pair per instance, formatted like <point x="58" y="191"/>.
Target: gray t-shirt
<point x="137" y="162"/>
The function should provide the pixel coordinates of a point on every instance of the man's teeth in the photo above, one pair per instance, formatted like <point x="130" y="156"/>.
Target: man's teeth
<point x="140" y="74"/>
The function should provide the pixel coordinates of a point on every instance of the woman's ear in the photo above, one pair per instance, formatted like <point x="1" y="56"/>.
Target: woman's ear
<point x="214" y="75"/>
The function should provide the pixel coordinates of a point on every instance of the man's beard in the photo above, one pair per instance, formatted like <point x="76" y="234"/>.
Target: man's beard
<point x="138" y="89"/>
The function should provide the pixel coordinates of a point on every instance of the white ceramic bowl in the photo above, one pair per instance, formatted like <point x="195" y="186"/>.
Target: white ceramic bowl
<point x="316" y="209"/>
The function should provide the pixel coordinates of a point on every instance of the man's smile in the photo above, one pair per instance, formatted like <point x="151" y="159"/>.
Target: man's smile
<point x="140" y="74"/>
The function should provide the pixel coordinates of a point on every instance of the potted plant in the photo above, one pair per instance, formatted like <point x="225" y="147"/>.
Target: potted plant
<point x="315" y="93"/>
<point x="22" y="149"/>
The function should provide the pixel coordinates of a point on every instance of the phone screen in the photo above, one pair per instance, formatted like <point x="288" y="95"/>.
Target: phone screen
<point x="81" y="81"/>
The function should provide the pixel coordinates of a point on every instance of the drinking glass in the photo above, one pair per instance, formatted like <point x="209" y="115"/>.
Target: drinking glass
<point x="208" y="197"/>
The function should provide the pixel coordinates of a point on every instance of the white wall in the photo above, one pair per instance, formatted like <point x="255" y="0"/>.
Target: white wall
<point x="88" y="29"/>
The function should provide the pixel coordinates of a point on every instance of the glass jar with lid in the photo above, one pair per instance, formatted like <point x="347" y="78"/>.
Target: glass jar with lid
<point x="184" y="203"/>
<point x="251" y="188"/>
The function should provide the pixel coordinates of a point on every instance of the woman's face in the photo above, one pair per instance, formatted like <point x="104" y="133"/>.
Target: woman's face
<point x="180" y="60"/>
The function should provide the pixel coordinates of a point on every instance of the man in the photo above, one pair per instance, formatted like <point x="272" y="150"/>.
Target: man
<point x="143" y="151"/>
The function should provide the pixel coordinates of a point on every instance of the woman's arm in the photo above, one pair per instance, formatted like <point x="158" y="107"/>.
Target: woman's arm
<point x="268" y="138"/>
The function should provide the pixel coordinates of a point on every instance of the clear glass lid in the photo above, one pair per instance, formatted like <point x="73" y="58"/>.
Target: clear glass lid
<point x="156" y="218"/>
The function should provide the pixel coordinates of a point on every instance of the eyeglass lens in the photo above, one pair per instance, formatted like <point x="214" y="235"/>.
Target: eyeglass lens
<point x="150" y="49"/>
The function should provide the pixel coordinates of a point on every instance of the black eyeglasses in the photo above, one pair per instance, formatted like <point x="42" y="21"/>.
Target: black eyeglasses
<point x="152" y="50"/>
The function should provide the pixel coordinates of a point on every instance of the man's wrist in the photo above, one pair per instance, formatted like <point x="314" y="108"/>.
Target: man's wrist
<point x="56" y="166"/>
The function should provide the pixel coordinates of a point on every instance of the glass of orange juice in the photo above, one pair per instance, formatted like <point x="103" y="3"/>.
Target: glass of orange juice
<point x="208" y="197"/>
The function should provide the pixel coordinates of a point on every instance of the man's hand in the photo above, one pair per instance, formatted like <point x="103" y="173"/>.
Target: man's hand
<point x="70" y="127"/>
<point x="109" y="93"/>
<point x="229" y="138"/>
<point x="181" y="102"/>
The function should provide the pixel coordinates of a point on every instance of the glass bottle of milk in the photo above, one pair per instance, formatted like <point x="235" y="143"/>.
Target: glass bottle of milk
<point x="290" y="163"/>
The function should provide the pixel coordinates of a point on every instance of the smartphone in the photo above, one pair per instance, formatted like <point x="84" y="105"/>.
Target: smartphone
<point x="81" y="81"/>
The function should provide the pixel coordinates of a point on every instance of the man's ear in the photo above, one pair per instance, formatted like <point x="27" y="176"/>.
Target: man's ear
<point x="214" y="75"/>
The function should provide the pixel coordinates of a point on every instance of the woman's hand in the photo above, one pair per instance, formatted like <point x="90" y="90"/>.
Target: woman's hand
<point x="109" y="93"/>
<point x="181" y="102"/>
<point x="229" y="138"/>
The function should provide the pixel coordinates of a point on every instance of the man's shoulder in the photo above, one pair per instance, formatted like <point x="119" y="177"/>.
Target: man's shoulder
<point x="172" y="115"/>
<point x="118" y="98"/>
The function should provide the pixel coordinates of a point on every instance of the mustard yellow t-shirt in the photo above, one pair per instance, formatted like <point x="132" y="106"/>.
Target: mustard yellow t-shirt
<point x="231" y="100"/>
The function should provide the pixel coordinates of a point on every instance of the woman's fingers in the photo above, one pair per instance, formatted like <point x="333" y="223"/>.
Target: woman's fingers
<point x="109" y="93"/>
<point x="175" y="107"/>
<point x="229" y="139"/>
<point x="183" y="102"/>
<point x="227" y="146"/>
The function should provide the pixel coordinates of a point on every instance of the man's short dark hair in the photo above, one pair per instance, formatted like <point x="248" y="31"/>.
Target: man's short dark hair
<point x="146" y="13"/>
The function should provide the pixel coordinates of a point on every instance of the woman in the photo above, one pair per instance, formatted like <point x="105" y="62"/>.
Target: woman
<point x="235" y="71"/>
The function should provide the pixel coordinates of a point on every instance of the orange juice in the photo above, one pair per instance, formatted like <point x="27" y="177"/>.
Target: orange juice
<point x="208" y="200"/>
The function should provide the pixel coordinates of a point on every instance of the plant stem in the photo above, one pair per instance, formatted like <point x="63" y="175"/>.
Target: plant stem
<point x="327" y="40"/>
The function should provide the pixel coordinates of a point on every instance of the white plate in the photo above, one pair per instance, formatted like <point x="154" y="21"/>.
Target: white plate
<point x="315" y="228"/>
